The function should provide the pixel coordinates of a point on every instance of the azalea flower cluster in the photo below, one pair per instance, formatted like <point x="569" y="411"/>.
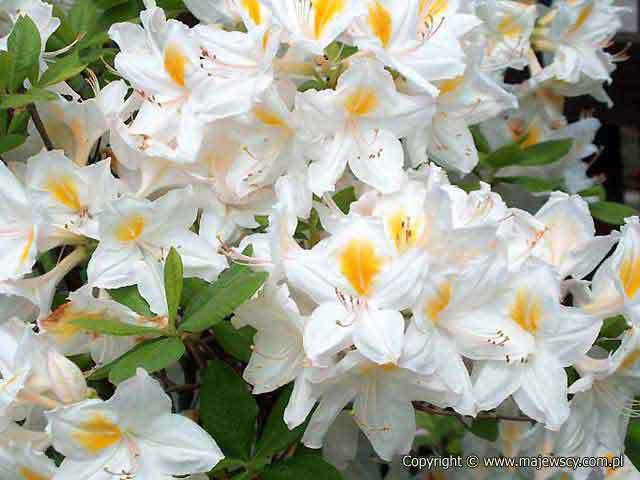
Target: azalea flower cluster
<point x="235" y="135"/>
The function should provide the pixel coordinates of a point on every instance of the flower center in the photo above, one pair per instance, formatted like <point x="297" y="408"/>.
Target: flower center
<point x="361" y="101"/>
<point x="130" y="229"/>
<point x="359" y="263"/>
<point x="526" y="311"/>
<point x="98" y="433"/>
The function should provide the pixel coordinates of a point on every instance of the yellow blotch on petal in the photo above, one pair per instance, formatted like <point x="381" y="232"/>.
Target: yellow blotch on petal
<point x="268" y="117"/>
<point x="254" y="10"/>
<point x="404" y="230"/>
<point x="630" y="360"/>
<point x="508" y="27"/>
<point x="526" y="311"/>
<point x="64" y="190"/>
<point x="175" y="63"/>
<point x="361" y="101"/>
<point x="130" y="228"/>
<point x="380" y="22"/>
<point x="583" y="16"/>
<point x="59" y="323"/>
<point x="438" y="302"/>
<point x="325" y="11"/>
<point x="433" y="8"/>
<point x="97" y="433"/>
<point x="629" y="273"/>
<point x="25" y="251"/>
<point x="359" y="263"/>
<point x="29" y="474"/>
<point x="526" y="136"/>
<point x="448" y="86"/>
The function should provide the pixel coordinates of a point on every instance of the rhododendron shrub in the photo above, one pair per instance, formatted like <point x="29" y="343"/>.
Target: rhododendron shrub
<point x="278" y="239"/>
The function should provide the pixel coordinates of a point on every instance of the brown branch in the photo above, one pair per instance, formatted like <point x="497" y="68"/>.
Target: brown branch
<point x="37" y="121"/>
<point x="184" y="388"/>
<point x="433" y="410"/>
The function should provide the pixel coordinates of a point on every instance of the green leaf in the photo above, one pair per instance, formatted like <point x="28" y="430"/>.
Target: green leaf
<point x="24" y="44"/>
<point x="311" y="84"/>
<point x="301" y="466"/>
<point x="83" y="16"/>
<point x="337" y="51"/>
<point x="130" y="297"/>
<point x="437" y="428"/>
<point x="510" y="154"/>
<point x="482" y="145"/>
<point x="116" y="328"/>
<point x="485" y="428"/>
<point x="190" y="288"/>
<point x="152" y="355"/>
<point x="221" y="298"/>
<point x="597" y="191"/>
<point x="65" y="32"/>
<point x="533" y="184"/>
<point x="544" y="153"/>
<point x="120" y="13"/>
<point x="632" y="442"/>
<point x="344" y="198"/>
<point x="611" y="212"/>
<point x="10" y="141"/>
<point x="63" y="69"/>
<point x="236" y="343"/>
<point x="106" y="4"/>
<point x="228" y="410"/>
<point x="7" y="71"/>
<point x="19" y="100"/>
<point x="276" y="436"/>
<point x="613" y="327"/>
<point x="102" y="372"/>
<point x="173" y="272"/>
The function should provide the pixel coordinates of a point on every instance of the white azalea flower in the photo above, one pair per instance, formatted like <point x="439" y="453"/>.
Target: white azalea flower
<point x="419" y="39"/>
<point x="24" y="464"/>
<point x="278" y="354"/>
<point x="72" y="196"/>
<point x="359" y="124"/>
<point x="133" y="433"/>
<point x="550" y="336"/>
<point x="136" y="236"/>
<point x="162" y="62"/>
<point x="360" y="289"/>
<point x="19" y="230"/>
<point x="314" y="25"/>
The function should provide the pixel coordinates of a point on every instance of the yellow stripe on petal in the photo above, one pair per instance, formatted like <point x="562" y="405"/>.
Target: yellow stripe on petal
<point x="361" y="101"/>
<point x="325" y="11"/>
<point x="438" y="302"/>
<point x="404" y="230"/>
<point x="27" y="247"/>
<point x="448" y="86"/>
<point x="432" y="8"/>
<point x="253" y="9"/>
<point x="359" y="263"/>
<point x="130" y="228"/>
<point x="534" y="135"/>
<point x="268" y="117"/>
<point x="29" y="474"/>
<point x="175" y="63"/>
<point x="380" y="22"/>
<point x="629" y="273"/>
<point x="583" y="16"/>
<point x="64" y="191"/>
<point x="630" y="360"/>
<point x="97" y="433"/>
<point x="526" y="311"/>
<point x="508" y="27"/>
